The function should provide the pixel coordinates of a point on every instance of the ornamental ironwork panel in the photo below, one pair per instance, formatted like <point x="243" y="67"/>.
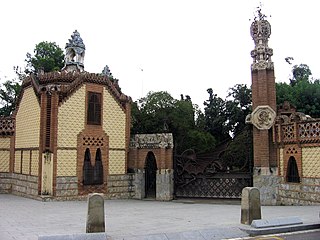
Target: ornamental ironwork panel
<point x="219" y="186"/>
<point x="206" y="176"/>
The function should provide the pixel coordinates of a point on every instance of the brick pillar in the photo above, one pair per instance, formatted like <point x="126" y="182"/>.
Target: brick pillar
<point x="264" y="112"/>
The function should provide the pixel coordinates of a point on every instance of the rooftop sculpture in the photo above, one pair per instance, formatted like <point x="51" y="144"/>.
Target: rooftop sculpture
<point x="75" y="51"/>
<point x="260" y="32"/>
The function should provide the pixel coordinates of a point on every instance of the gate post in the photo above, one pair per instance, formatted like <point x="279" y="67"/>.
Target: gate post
<point x="164" y="189"/>
<point x="139" y="184"/>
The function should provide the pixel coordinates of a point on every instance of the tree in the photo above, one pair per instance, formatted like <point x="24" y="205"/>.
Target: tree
<point x="300" y="73"/>
<point x="160" y="112"/>
<point x="48" y="56"/>
<point x="302" y="92"/>
<point x="8" y="96"/>
<point x="239" y="152"/>
<point x="238" y="107"/>
<point x="215" y="117"/>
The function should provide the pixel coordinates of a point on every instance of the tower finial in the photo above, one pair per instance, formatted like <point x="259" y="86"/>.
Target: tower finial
<point x="260" y="31"/>
<point x="75" y="51"/>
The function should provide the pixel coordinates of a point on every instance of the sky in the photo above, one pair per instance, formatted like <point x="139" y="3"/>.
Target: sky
<point x="178" y="46"/>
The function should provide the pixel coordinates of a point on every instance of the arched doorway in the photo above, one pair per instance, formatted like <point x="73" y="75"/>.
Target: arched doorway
<point x="150" y="175"/>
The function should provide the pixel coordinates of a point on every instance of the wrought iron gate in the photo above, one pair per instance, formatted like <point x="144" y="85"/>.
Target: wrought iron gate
<point x="206" y="177"/>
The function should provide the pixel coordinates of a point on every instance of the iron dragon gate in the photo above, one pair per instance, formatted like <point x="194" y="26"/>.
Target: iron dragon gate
<point x="203" y="176"/>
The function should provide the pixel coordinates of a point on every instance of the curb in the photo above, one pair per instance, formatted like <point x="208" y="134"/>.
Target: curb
<point x="273" y="230"/>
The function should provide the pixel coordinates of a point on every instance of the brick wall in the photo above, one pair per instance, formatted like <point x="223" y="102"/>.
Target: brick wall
<point x="137" y="158"/>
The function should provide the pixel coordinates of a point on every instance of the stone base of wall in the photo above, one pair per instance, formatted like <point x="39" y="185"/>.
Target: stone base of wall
<point x="305" y="193"/>
<point x="120" y="186"/>
<point x="139" y="184"/>
<point x="5" y="183"/>
<point x="164" y="185"/>
<point x="267" y="181"/>
<point x="24" y="185"/>
<point x="66" y="187"/>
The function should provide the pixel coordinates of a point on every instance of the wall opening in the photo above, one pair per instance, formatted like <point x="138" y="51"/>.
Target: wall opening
<point x="87" y="168"/>
<point x="150" y="175"/>
<point x="98" y="169"/>
<point x="292" y="171"/>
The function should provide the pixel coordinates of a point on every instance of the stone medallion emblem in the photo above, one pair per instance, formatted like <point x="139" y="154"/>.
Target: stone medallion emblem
<point x="263" y="117"/>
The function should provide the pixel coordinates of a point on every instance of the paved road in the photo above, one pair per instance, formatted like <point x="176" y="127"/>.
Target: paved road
<point x="26" y="219"/>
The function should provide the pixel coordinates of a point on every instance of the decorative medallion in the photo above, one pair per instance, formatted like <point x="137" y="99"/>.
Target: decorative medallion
<point x="263" y="117"/>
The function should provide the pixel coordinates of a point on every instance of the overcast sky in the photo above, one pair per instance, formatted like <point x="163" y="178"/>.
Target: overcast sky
<point x="183" y="46"/>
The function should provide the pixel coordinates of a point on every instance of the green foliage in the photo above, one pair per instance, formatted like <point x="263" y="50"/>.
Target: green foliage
<point x="159" y="112"/>
<point x="302" y="92"/>
<point x="238" y="107"/>
<point x="215" y="117"/>
<point x="301" y="73"/>
<point x="239" y="153"/>
<point x="8" y="96"/>
<point x="48" y="56"/>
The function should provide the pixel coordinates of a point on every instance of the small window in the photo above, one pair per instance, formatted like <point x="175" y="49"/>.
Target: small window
<point x="292" y="171"/>
<point x="94" y="108"/>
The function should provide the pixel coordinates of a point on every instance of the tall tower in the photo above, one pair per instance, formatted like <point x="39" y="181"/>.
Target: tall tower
<point x="264" y="110"/>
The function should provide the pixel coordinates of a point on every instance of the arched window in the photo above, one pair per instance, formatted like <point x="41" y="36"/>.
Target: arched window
<point x="98" y="169"/>
<point x="292" y="171"/>
<point x="87" y="168"/>
<point x="94" y="108"/>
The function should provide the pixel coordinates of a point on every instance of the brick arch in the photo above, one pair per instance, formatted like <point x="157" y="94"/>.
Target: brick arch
<point x="138" y="156"/>
<point x="294" y="151"/>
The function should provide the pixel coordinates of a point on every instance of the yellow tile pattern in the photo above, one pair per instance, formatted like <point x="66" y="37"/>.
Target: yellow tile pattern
<point x="35" y="163"/>
<point x="4" y="161"/>
<point x="28" y="121"/>
<point x="117" y="162"/>
<point x="67" y="163"/>
<point x="17" y="162"/>
<point x="114" y="121"/>
<point x="281" y="162"/>
<point x="26" y="162"/>
<point x="5" y="142"/>
<point x="71" y="116"/>
<point x="311" y="162"/>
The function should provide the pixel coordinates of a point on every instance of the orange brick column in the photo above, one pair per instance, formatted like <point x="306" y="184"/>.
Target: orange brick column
<point x="265" y="171"/>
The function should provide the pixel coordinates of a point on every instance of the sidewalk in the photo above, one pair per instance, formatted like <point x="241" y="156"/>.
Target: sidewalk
<point x="26" y="219"/>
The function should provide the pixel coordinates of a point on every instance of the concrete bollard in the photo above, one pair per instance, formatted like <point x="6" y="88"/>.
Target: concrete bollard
<point x="95" y="217"/>
<point x="250" y="205"/>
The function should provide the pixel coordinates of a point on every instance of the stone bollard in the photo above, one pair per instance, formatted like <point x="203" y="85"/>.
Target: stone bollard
<point x="95" y="217"/>
<point x="250" y="205"/>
